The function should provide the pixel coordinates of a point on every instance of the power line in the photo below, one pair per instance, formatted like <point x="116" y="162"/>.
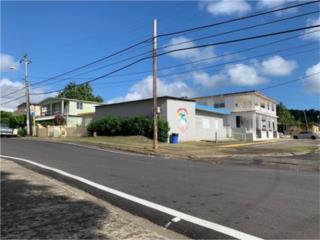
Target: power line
<point x="205" y="59"/>
<point x="288" y="82"/>
<point x="201" y="46"/>
<point x="98" y="60"/>
<point x="240" y="29"/>
<point x="206" y="37"/>
<point x="149" y="39"/>
<point x="218" y="56"/>
<point x="227" y="63"/>
<point x="197" y="39"/>
<point x="86" y="65"/>
<point x="240" y="39"/>
<point x="242" y="60"/>
<point x="236" y="19"/>
<point x="12" y="100"/>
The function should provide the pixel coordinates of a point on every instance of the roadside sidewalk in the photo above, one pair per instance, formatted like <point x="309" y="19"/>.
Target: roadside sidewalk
<point x="36" y="206"/>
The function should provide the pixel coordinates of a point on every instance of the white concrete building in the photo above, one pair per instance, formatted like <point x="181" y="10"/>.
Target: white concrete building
<point x="190" y="120"/>
<point x="252" y="115"/>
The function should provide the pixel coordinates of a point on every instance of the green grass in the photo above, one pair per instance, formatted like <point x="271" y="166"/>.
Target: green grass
<point x="194" y="150"/>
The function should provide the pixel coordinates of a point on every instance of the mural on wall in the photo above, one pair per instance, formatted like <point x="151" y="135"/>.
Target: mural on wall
<point x="182" y="116"/>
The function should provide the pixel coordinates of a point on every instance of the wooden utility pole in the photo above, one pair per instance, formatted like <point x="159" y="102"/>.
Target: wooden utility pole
<point x="305" y="118"/>
<point x="155" y="104"/>
<point x="25" y="60"/>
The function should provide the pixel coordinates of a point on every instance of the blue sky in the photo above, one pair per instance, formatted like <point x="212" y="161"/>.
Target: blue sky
<point x="59" y="36"/>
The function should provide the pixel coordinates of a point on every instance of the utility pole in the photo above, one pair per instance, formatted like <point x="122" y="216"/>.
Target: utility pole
<point x="27" y="61"/>
<point x="305" y="118"/>
<point x="155" y="104"/>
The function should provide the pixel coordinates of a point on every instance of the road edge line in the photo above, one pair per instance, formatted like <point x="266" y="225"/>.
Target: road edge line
<point x="189" y="218"/>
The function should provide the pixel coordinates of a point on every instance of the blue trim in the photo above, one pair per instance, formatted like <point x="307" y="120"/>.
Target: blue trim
<point x="212" y="109"/>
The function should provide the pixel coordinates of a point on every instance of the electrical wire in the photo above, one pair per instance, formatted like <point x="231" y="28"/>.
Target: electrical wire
<point x="236" y="19"/>
<point x="201" y="46"/>
<point x="290" y="81"/>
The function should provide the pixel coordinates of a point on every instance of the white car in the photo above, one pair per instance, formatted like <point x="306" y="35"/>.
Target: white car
<point x="306" y="135"/>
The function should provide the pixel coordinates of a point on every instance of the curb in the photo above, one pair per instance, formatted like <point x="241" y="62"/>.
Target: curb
<point x="249" y="159"/>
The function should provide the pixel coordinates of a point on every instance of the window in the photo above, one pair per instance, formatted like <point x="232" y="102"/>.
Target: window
<point x="263" y="105"/>
<point x="238" y="121"/>
<point x="79" y="105"/>
<point x="272" y="107"/>
<point x="219" y="105"/>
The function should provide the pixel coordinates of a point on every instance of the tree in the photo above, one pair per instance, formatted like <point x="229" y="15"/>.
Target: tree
<point x="285" y="117"/>
<point x="80" y="92"/>
<point x="13" y="120"/>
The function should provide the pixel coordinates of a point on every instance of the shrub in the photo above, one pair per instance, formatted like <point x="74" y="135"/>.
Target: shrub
<point x="117" y="126"/>
<point x="59" y="120"/>
<point x="12" y="120"/>
<point x="22" y="132"/>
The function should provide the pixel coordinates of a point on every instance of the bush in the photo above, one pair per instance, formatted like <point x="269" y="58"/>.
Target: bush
<point x="22" y="132"/>
<point x="59" y="120"/>
<point x="12" y="120"/>
<point x="117" y="126"/>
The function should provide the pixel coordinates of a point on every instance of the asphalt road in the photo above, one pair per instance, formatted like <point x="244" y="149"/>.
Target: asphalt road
<point x="267" y="203"/>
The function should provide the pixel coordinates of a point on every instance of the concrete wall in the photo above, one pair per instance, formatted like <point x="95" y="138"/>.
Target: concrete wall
<point x="181" y="118"/>
<point x="129" y="109"/>
<point x="208" y="124"/>
<point x="87" y="107"/>
<point x="73" y="121"/>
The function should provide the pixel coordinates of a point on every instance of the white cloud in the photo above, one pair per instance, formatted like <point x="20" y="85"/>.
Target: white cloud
<point x="237" y="74"/>
<point x="244" y="75"/>
<point x="143" y="89"/>
<point x="250" y="74"/>
<point x="276" y="4"/>
<point x="226" y="7"/>
<point x="7" y="62"/>
<point x="7" y="86"/>
<point x="313" y="35"/>
<point x="192" y="54"/>
<point x="206" y="80"/>
<point x="278" y="66"/>
<point x="272" y="3"/>
<point x="312" y="84"/>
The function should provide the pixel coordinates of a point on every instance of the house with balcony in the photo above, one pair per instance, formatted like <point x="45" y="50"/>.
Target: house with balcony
<point x="34" y="109"/>
<point x="75" y="112"/>
<point x="252" y="114"/>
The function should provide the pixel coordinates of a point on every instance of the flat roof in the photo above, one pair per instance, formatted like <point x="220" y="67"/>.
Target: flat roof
<point x="148" y="99"/>
<point x="24" y="103"/>
<point x="212" y="109"/>
<point x="68" y="99"/>
<point x="238" y="93"/>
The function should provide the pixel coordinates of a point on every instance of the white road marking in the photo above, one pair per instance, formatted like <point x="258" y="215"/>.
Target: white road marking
<point x="176" y="214"/>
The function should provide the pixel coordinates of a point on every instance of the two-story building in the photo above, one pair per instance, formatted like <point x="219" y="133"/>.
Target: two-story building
<point x="75" y="112"/>
<point x="34" y="109"/>
<point x="252" y="115"/>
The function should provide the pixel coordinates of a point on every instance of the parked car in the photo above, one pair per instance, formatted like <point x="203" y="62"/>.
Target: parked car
<point x="5" y="130"/>
<point x="306" y="135"/>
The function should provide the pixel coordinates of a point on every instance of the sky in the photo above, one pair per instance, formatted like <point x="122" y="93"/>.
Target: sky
<point x="60" y="36"/>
